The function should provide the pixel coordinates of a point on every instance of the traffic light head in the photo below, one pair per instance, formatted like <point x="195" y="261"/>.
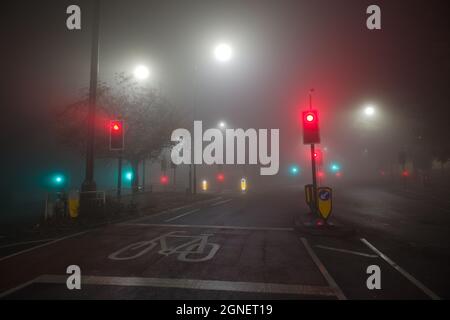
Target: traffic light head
<point x="310" y="127"/>
<point x="164" y="180"/>
<point x="116" y="135"/>
<point x="220" y="177"/>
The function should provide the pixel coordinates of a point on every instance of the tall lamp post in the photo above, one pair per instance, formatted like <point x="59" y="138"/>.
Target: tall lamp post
<point x="88" y="186"/>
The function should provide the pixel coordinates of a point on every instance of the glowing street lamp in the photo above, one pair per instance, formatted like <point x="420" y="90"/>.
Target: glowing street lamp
<point x="369" y="111"/>
<point x="141" y="72"/>
<point x="222" y="125"/>
<point x="223" y="52"/>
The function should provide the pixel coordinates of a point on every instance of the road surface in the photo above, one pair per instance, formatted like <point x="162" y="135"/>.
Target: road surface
<point x="258" y="245"/>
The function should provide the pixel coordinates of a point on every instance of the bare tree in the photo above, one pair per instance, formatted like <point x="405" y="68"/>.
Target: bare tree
<point x="149" y="118"/>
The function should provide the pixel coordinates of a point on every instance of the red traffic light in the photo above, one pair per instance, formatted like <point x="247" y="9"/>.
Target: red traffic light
<point x="310" y="127"/>
<point x="309" y="117"/>
<point x="220" y="177"/>
<point x="116" y="135"/>
<point x="164" y="180"/>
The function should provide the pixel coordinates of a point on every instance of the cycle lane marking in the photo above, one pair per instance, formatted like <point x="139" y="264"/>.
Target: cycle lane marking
<point x="402" y="271"/>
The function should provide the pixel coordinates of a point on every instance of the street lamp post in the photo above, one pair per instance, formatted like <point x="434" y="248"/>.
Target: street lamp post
<point x="88" y="186"/>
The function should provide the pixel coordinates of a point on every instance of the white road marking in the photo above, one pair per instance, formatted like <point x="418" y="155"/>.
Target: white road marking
<point x="205" y="226"/>
<point x="348" y="251"/>
<point x="173" y="210"/>
<point x="334" y="286"/>
<point x="221" y="202"/>
<point x="43" y="245"/>
<point x="182" y="215"/>
<point x="218" y="285"/>
<point x="19" y="287"/>
<point x="22" y="243"/>
<point x="408" y="276"/>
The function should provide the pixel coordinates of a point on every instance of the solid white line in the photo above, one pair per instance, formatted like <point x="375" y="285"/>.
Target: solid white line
<point x="220" y="202"/>
<point x="206" y="226"/>
<point x="219" y="285"/>
<point x="337" y="291"/>
<point x="24" y="242"/>
<point x="408" y="276"/>
<point x="182" y="215"/>
<point x="348" y="251"/>
<point x="43" y="245"/>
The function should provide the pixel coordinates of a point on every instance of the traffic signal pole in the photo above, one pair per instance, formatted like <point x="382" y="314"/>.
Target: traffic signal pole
<point x="314" y="178"/>
<point x="119" y="177"/>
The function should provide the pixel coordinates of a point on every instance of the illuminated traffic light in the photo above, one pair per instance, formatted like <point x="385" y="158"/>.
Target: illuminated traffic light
<point x="318" y="156"/>
<point x="310" y="127"/>
<point x="129" y="175"/>
<point x="116" y="135"/>
<point x="57" y="180"/>
<point x="335" y="167"/>
<point x="294" y="170"/>
<point x="164" y="180"/>
<point x="220" y="177"/>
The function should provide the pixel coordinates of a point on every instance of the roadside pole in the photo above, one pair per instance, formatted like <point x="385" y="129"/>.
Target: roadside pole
<point x="119" y="177"/>
<point x="314" y="178"/>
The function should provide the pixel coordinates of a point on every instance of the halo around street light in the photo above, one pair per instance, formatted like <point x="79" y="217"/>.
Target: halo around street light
<point x="223" y="52"/>
<point x="222" y="125"/>
<point x="141" y="72"/>
<point x="369" y="111"/>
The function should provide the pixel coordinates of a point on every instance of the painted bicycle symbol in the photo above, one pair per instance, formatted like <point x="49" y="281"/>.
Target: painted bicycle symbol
<point x="188" y="248"/>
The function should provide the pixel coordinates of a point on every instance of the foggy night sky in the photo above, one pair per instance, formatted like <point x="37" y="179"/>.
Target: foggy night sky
<point x="282" y="49"/>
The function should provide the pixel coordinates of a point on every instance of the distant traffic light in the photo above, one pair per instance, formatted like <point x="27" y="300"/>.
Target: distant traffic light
<point x="310" y="127"/>
<point x="220" y="177"/>
<point x="164" y="180"/>
<point x="129" y="175"/>
<point x="318" y="156"/>
<point x="116" y="135"/>
<point x="58" y="180"/>
<point x="335" y="167"/>
<point x="294" y="170"/>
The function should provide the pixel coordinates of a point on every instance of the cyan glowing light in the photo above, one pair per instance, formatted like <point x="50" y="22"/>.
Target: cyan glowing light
<point x="129" y="175"/>
<point x="294" y="170"/>
<point x="335" y="167"/>
<point x="58" y="179"/>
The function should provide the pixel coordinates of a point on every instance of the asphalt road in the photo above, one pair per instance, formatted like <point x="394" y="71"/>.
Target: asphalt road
<point x="249" y="246"/>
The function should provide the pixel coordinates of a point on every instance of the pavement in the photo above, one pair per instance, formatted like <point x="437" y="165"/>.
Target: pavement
<point x="248" y="246"/>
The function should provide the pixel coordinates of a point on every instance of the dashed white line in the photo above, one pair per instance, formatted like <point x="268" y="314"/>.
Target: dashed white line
<point x="408" y="276"/>
<point x="182" y="215"/>
<point x="338" y="292"/>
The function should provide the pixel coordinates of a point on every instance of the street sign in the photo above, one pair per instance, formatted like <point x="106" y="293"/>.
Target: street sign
<point x="324" y="202"/>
